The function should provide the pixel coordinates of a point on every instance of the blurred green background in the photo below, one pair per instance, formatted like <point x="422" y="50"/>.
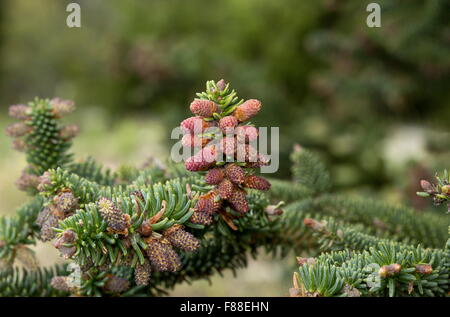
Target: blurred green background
<point x="374" y="102"/>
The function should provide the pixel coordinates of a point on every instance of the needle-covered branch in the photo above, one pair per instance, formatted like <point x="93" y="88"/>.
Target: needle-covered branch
<point x="141" y="231"/>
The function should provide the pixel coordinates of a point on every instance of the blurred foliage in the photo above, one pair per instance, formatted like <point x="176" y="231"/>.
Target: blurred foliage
<point x="373" y="102"/>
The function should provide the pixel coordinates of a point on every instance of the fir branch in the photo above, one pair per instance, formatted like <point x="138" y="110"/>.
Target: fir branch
<point x="158" y="206"/>
<point x="287" y="191"/>
<point x="309" y="171"/>
<point x="396" y="221"/>
<point x="140" y="231"/>
<point x="35" y="283"/>
<point x="385" y="270"/>
<point x="19" y="230"/>
<point x="93" y="171"/>
<point x="333" y="235"/>
<point x="223" y="249"/>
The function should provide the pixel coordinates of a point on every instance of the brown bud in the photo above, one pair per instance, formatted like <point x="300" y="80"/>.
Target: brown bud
<point x="146" y="229"/>
<point x="389" y="270"/>
<point x="426" y="186"/>
<point x="424" y="269"/>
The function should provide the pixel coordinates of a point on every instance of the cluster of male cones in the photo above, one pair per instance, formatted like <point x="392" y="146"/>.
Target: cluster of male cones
<point x="226" y="151"/>
<point x="160" y="254"/>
